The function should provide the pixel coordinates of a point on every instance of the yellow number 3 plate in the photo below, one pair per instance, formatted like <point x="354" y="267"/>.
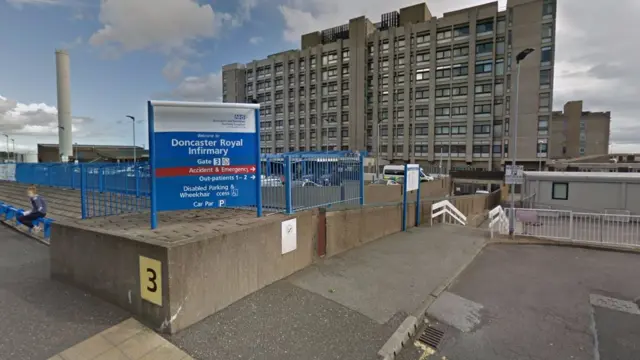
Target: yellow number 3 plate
<point x="151" y="280"/>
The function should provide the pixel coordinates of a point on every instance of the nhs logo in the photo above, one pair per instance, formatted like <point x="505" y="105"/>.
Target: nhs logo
<point x="239" y="117"/>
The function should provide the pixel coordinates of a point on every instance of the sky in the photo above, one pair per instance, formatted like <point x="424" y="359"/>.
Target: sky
<point x="125" y="52"/>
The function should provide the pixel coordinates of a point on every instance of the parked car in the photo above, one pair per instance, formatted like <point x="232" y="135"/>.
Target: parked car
<point x="385" y="182"/>
<point x="271" y="181"/>
<point x="305" y="183"/>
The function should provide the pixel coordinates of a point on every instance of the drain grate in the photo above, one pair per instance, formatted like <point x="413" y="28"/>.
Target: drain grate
<point x="431" y="337"/>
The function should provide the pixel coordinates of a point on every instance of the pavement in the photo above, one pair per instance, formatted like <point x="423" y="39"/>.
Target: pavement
<point x="345" y="307"/>
<point x="539" y="302"/>
<point x="42" y="317"/>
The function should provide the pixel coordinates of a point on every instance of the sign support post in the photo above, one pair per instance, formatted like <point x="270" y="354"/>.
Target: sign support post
<point x="361" y="179"/>
<point x="404" y="200"/>
<point x="152" y="165"/>
<point x="418" y="204"/>
<point x="411" y="183"/>
<point x="258" y="166"/>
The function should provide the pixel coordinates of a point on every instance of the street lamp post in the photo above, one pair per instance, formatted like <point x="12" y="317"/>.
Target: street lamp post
<point x="15" y="157"/>
<point x="7" y="157"/>
<point x="133" y="120"/>
<point x="512" y="218"/>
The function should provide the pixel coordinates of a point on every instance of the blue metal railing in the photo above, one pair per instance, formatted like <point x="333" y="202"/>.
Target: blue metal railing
<point x="290" y="182"/>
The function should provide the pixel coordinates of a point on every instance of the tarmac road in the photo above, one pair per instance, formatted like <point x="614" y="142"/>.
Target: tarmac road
<point x="536" y="302"/>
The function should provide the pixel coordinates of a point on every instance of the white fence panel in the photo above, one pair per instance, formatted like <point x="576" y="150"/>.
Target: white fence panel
<point x="620" y="229"/>
<point x="8" y="172"/>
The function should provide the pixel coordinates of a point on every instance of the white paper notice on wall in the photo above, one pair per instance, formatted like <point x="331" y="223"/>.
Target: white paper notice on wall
<point x="289" y="236"/>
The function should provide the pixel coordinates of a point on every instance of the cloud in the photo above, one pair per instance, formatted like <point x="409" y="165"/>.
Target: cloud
<point x="598" y="65"/>
<point x="73" y="44"/>
<point x="304" y="16"/>
<point x="171" y="27"/>
<point x="199" y="88"/>
<point x="21" y="3"/>
<point x="36" y="120"/>
<point x="255" y="40"/>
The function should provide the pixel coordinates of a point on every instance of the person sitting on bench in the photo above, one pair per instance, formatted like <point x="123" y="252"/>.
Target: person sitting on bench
<point x="38" y="210"/>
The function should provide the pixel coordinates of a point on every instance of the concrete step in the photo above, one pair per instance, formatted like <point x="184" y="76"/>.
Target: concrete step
<point x="67" y="203"/>
<point x="71" y="204"/>
<point x="55" y="210"/>
<point x="50" y="191"/>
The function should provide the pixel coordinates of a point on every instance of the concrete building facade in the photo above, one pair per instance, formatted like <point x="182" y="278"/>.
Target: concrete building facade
<point x="427" y="88"/>
<point x="576" y="133"/>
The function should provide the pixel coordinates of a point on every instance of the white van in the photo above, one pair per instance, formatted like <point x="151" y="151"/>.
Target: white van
<point x="396" y="173"/>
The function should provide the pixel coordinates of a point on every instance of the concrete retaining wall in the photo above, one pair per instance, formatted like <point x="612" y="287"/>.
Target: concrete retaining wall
<point x="107" y="266"/>
<point x="199" y="277"/>
<point x="381" y="194"/>
<point x="209" y="275"/>
<point x="350" y="228"/>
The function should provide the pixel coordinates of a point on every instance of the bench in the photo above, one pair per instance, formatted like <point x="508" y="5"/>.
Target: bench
<point x="10" y="212"/>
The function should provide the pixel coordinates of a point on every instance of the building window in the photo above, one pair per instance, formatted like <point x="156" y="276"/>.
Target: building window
<point x="459" y="91"/>
<point x="484" y="67"/>
<point x="459" y="110"/>
<point x="500" y="47"/>
<point x="345" y="55"/>
<point x="543" y="125"/>
<point x="459" y="130"/>
<point x="546" y="55"/>
<point x="482" y="129"/>
<point x="484" y="27"/>
<point x="422" y="74"/>
<point x="421" y="58"/>
<point x="443" y="35"/>
<point x="484" y="48"/>
<point x="422" y="130"/>
<point x="545" y="77"/>
<point x="502" y="25"/>
<point x="547" y="31"/>
<point x="422" y="38"/>
<point x="560" y="191"/>
<point x="442" y="130"/>
<point x="482" y="109"/>
<point x="442" y="54"/>
<point x="542" y="147"/>
<point x="460" y="70"/>
<point x="443" y="93"/>
<point x="483" y="89"/>
<point x="460" y="51"/>
<point x="499" y="67"/>
<point x="461" y="31"/>
<point x="545" y="102"/>
<point x="442" y="111"/>
<point x="443" y="72"/>
<point x="548" y="7"/>
<point x="422" y="94"/>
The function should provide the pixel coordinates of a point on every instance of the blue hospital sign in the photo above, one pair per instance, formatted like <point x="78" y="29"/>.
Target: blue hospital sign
<point x="203" y="155"/>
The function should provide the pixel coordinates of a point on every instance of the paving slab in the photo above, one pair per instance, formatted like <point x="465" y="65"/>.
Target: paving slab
<point x="174" y="227"/>
<point x="41" y="317"/>
<point x="395" y="274"/>
<point x="284" y="322"/>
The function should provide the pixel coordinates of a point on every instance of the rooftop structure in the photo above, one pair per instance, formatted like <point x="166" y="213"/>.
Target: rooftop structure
<point x="575" y="132"/>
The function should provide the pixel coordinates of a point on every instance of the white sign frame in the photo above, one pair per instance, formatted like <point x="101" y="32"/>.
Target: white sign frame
<point x="412" y="181"/>
<point x="514" y="179"/>
<point x="289" y="236"/>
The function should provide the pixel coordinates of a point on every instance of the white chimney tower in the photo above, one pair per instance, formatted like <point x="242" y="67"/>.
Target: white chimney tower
<point x="65" y="141"/>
